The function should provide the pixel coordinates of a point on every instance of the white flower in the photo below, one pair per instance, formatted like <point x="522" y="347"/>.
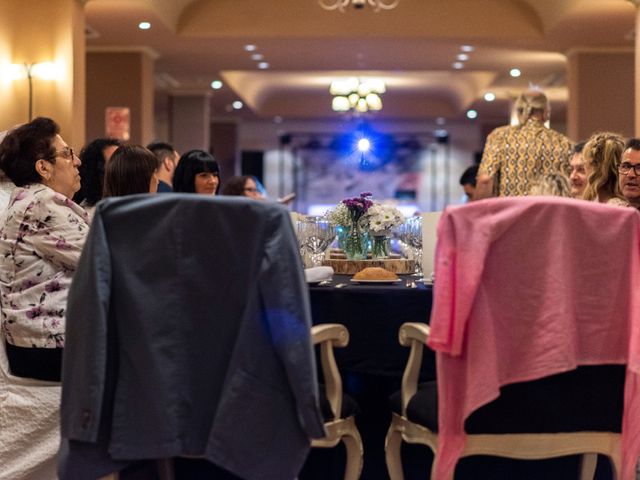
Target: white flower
<point x="383" y="217"/>
<point x="339" y="215"/>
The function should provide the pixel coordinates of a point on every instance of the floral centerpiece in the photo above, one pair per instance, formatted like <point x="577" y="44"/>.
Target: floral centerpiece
<point x="358" y="218"/>
<point x="348" y="216"/>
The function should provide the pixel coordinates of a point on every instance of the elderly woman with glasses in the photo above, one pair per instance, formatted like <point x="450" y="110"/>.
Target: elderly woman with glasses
<point x="42" y="233"/>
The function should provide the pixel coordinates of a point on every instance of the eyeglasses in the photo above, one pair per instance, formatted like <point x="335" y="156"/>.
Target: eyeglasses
<point x="66" y="153"/>
<point x="625" y="168"/>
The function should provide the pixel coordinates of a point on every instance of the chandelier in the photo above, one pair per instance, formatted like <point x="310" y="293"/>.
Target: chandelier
<point x="342" y="5"/>
<point x="360" y="95"/>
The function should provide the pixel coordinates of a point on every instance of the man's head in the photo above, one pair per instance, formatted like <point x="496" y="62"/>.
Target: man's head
<point x="532" y="104"/>
<point x="468" y="181"/>
<point x="168" y="160"/>
<point x="578" y="176"/>
<point x="629" y="172"/>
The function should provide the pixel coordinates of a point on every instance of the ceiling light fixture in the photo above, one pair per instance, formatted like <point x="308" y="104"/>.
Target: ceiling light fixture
<point x="216" y="84"/>
<point x="250" y="47"/>
<point x="466" y="48"/>
<point x="458" y="65"/>
<point x="237" y="104"/>
<point x="257" y="57"/>
<point x="144" y="25"/>
<point x="472" y="114"/>
<point x="515" y="72"/>
<point x="489" y="96"/>
<point x="357" y="94"/>
<point x="263" y="65"/>
<point x="463" y="57"/>
<point x="342" y="5"/>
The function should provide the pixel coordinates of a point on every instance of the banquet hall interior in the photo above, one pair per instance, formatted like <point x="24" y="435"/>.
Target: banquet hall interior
<point x="250" y="81"/>
<point x="324" y="99"/>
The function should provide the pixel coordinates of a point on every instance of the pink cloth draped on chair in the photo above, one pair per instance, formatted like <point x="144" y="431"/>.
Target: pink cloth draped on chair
<point x="527" y="287"/>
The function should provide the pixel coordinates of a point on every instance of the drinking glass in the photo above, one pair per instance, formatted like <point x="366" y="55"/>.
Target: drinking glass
<point x="315" y="234"/>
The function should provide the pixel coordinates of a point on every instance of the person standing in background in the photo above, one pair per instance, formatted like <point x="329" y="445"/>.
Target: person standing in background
<point x="514" y="156"/>
<point x="168" y="160"/>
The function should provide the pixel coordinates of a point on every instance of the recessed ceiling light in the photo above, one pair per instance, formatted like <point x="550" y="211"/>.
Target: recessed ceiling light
<point x="237" y="105"/>
<point x="462" y="57"/>
<point x="472" y="114"/>
<point x="216" y="84"/>
<point x="250" y="48"/>
<point x="466" y="48"/>
<point x="263" y="65"/>
<point x="257" y="56"/>
<point x="458" y="65"/>
<point x="489" y="96"/>
<point x="515" y="72"/>
<point x="144" y="25"/>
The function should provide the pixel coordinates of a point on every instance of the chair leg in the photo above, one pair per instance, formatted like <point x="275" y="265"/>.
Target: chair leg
<point x="392" y="453"/>
<point x="588" y="464"/>
<point x="165" y="469"/>
<point x="616" y="465"/>
<point x="353" y="444"/>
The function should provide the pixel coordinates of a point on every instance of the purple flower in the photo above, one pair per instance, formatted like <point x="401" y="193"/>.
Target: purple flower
<point x="62" y="244"/>
<point x="34" y="312"/>
<point x="52" y="286"/>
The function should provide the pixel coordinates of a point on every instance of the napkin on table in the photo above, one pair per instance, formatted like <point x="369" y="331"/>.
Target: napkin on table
<point x="318" y="274"/>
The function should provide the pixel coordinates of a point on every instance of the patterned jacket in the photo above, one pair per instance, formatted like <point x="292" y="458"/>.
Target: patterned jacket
<point x="516" y="155"/>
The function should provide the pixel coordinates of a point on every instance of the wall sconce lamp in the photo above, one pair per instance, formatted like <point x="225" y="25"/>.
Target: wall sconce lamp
<point x="42" y="71"/>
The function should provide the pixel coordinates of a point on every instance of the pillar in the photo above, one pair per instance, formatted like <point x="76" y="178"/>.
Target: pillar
<point x="601" y="92"/>
<point x="190" y="115"/>
<point x="33" y="31"/>
<point x="117" y="78"/>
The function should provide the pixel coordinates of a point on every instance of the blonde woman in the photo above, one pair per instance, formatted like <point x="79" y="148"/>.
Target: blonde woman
<point x="602" y="155"/>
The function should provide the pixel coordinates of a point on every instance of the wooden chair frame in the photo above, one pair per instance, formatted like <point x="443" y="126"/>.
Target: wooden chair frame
<point x="338" y="429"/>
<point x="528" y="446"/>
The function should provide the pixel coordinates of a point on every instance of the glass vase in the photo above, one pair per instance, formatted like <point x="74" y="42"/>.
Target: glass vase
<point x="380" y="245"/>
<point x="342" y="233"/>
<point x="355" y="246"/>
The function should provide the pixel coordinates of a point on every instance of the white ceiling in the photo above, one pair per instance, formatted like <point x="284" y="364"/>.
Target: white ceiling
<point x="412" y="48"/>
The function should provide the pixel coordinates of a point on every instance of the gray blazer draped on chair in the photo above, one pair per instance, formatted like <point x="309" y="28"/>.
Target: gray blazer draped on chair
<point x="188" y="333"/>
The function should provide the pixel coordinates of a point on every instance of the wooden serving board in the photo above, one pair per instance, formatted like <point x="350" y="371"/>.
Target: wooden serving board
<point x="395" y="265"/>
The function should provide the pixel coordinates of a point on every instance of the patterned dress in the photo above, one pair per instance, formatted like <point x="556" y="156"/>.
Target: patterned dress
<point x="41" y="236"/>
<point x="517" y="155"/>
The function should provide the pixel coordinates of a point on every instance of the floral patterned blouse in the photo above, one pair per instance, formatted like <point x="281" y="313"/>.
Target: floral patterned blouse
<point x="41" y="236"/>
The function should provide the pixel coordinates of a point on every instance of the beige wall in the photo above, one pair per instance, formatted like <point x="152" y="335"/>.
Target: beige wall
<point x="33" y="31"/>
<point x="120" y="79"/>
<point x="601" y="93"/>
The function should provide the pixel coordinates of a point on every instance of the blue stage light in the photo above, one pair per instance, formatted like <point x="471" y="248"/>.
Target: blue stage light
<point x="364" y="145"/>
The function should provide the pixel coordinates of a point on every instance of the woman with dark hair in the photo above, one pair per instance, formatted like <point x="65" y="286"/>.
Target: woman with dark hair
<point x="94" y="156"/>
<point x="132" y="169"/>
<point x="197" y="172"/>
<point x="42" y="233"/>
<point x="243" y="185"/>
